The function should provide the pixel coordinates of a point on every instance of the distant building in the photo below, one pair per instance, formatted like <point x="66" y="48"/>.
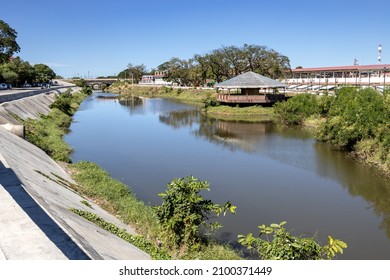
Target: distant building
<point x="329" y="77"/>
<point x="156" y="79"/>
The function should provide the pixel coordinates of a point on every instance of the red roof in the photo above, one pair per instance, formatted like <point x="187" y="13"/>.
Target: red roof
<point x="344" y="68"/>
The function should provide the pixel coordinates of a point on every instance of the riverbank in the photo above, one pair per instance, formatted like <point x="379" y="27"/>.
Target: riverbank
<point x="354" y="120"/>
<point x="186" y="95"/>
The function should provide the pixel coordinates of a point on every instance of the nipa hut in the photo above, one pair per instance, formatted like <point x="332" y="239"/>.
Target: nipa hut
<point x="251" y="87"/>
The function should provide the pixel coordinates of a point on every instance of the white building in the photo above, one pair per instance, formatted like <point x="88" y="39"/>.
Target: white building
<point x="156" y="79"/>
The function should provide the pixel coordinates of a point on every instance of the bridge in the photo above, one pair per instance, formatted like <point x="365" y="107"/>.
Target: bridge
<point x="98" y="82"/>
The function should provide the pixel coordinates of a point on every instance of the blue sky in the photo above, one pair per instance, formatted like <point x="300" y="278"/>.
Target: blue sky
<point x="101" y="37"/>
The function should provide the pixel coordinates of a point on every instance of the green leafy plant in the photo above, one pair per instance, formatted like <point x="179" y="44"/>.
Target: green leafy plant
<point x="354" y="114"/>
<point x="210" y="101"/>
<point x="285" y="246"/>
<point x="184" y="211"/>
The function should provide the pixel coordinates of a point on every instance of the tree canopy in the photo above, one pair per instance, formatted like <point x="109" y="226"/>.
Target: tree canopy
<point x="17" y="72"/>
<point x="8" y="44"/>
<point x="134" y="72"/>
<point x="225" y="63"/>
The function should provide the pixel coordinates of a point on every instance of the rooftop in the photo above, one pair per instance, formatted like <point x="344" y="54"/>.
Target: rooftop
<point x="343" y="68"/>
<point x="250" y="80"/>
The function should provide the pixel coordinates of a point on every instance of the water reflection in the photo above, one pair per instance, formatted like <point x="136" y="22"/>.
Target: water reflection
<point x="358" y="179"/>
<point x="131" y="102"/>
<point x="252" y="137"/>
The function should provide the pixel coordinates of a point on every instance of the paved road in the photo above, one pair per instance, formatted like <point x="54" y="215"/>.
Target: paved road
<point x="17" y="93"/>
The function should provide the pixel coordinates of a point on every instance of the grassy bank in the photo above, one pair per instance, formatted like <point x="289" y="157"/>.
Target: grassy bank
<point x="249" y="114"/>
<point x="48" y="131"/>
<point x="355" y="120"/>
<point x="184" y="95"/>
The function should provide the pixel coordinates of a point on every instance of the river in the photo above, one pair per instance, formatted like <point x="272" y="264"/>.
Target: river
<point x="270" y="173"/>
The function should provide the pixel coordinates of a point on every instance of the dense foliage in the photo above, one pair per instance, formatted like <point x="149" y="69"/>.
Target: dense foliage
<point x="184" y="211"/>
<point x="296" y="109"/>
<point x="216" y="66"/>
<point x="285" y="246"/>
<point x="225" y="63"/>
<point x="354" y="115"/>
<point x="354" y="119"/>
<point x="133" y="72"/>
<point x="18" y="72"/>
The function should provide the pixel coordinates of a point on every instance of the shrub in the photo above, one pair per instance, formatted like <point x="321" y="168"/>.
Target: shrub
<point x="285" y="246"/>
<point x="354" y="115"/>
<point x="296" y="109"/>
<point x="183" y="211"/>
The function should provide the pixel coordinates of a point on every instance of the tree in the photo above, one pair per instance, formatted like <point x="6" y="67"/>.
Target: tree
<point x="8" y="44"/>
<point x="43" y="73"/>
<point x="133" y="72"/>
<point x="17" y="71"/>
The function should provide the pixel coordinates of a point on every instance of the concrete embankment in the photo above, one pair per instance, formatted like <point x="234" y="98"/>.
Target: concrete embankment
<point x="35" y="221"/>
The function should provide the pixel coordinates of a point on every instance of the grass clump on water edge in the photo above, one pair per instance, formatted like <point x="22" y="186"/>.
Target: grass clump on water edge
<point x="250" y="113"/>
<point x="115" y="197"/>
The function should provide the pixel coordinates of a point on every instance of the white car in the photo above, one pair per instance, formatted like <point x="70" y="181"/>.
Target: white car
<point x="3" y="86"/>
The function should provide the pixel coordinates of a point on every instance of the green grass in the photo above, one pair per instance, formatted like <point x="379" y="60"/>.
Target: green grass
<point x="115" y="197"/>
<point x="250" y="113"/>
<point x="185" y="95"/>
<point x="47" y="132"/>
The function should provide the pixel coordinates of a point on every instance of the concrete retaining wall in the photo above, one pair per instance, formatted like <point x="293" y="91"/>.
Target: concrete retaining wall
<point x="28" y="107"/>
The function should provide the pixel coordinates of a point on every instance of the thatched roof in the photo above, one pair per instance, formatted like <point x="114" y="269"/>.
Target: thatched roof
<point x="250" y="80"/>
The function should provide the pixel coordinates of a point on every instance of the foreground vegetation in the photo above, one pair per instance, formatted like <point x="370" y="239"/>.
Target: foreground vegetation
<point x="356" y="120"/>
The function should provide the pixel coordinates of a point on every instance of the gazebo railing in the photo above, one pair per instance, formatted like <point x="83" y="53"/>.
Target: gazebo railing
<point x="267" y="98"/>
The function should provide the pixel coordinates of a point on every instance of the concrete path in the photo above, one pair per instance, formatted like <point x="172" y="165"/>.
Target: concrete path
<point x="20" y="236"/>
<point x="35" y="221"/>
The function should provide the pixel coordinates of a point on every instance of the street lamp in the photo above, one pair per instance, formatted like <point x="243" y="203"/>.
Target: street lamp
<point x="380" y="54"/>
